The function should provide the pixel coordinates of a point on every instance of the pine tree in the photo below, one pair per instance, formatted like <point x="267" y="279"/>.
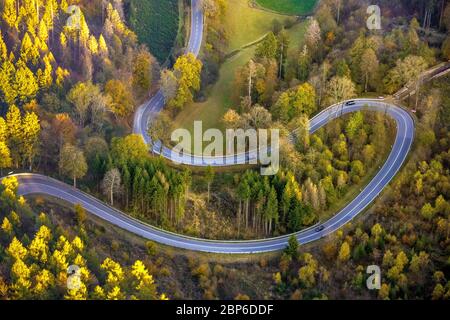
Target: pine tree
<point x="3" y="130"/>
<point x="209" y="177"/>
<point x="143" y="282"/>
<point x="114" y="275"/>
<point x="43" y="31"/>
<point x="59" y="261"/>
<point x="244" y="193"/>
<point x="446" y="48"/>
<point x="268" y="48"/>
<point x="7" y="226"/>
<point x="307" y="273"/>
<point x="102" y="47"/>
<point x="108" y="29"/>
<point x="17" y="250"/>
<point x="354" y="124"/>
<point x="7" y="79"/>
<point x="3" y="49"/>
<point x="64" y="6"/>
<point x="427" y="211"/>
<point x="31" y="129"/>
<point x="25" y="84"/>
<point x="312" y="194"/>
<point x="304" y="64"/>
<point x="271" y="210"/>
<point x="39" y="247"/>
<point x="10" y="13"/>
<point x="115" y="294"/>
<point x="116" y="21"/>
<point x="84" y="30"/>
<point x="51" y="11"/>
<point x="44" y="281"/>
<point x="322" y="196"/>
<point x="14" y="125"/>
<point x="28" y="50"/>
<point x="40" y="45"/>
<point x="5" y="157"/>
<point x="61" y="75"/>
<point x="21" y="275"/>
<point x="93" y="45"/>
<point x="79" y="291"/>
<point x="344" y="252"/>
<point x="292" y="247"/>
<point x="45" y="77"/>
<point x="295" y="217"/>
<point x="63" y="40"/>
<point x="10" y="186"/>
<point x="438" y="292"/>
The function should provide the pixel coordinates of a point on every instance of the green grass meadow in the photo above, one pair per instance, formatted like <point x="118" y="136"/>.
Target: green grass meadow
<point x="156" y="24"/>
<point x="295" y="7"/>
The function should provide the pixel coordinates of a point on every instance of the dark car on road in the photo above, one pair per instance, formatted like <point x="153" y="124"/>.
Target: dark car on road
<point x="350" y="103"/>
<point x="319" y="228"/>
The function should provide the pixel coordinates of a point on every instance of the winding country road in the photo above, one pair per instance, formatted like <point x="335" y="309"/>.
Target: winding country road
<point x="38" y="184"/>
<point x="148" y="111"/>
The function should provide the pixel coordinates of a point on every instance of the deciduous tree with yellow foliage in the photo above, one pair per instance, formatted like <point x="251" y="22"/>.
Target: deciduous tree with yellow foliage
<point x="187" y="69"/>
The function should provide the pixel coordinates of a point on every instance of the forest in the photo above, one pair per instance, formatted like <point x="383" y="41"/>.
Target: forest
<point x="36" y="254"/>
<point x="69" y="89"/>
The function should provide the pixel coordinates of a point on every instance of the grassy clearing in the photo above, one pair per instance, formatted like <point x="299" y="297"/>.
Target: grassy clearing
<point x="297" y="7"/>
<point x="219" y="99"/>
<point x="256" y="23"/>
<point x="156" y="24"/>
<point x="245" y="24"/>
<point x="296" y="37"/>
